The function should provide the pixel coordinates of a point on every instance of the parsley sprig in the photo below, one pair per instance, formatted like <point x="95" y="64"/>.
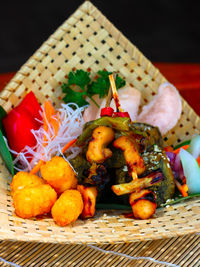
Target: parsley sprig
<point x="79" y="86"/>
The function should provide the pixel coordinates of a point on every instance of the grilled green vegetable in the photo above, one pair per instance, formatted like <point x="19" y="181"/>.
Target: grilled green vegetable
<point x="166" y="188"/>
<point x="118" y="123"/>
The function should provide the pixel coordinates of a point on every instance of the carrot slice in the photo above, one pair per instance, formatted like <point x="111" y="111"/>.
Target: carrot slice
<point x="182" y="188"/>
<point x="49" y="110"/>
<point x="68" y="145"/>
<point x="176" y="151"/>
<point x="168" y="149"/>
<point x="48" y="120"/>
<point x="198" y="160"/>
<point x="36" y="168"/>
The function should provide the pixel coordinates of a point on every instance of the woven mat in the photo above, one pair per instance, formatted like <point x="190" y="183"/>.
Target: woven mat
<point x="182" y="251"/>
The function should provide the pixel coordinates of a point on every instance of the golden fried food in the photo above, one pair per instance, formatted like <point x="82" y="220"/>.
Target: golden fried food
<point x="89" y="195"/>
<point x="32" y="201"/>
<point x="59" y="174"/>
<point x="23" y="180"/>
<point x="68" y="207"/>
<point x="97" y="151"/>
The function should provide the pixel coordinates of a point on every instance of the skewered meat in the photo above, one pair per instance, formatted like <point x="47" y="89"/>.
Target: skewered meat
<point x="143" y="204"/>
<point x="133" y="159"/>
<point x="89" y="195"/>
<point x="101" y="137"/>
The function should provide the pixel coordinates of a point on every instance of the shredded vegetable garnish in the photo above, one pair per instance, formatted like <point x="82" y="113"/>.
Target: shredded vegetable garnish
<point x="53" y="137"/>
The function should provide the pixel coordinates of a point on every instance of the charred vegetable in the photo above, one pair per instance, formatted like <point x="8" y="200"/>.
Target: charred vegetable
<point x="118" y="123"/>
<point x="165" y="189"/>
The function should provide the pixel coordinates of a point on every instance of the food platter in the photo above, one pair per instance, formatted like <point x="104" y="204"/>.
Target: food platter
<point x="87" y="40"/>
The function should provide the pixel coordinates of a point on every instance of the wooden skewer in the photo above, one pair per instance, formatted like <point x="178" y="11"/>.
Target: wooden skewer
<point x="109" y="97"/>
<point x="114" y="92"/>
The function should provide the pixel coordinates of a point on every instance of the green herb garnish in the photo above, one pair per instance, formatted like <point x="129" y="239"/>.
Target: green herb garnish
<point x="182" y="144"/>
<point x="80" y="86"/>
<point x="102" y="84"/>
<point x="180" y="199"/>
<point x="2" y="115"/>
<point x="5" y="154"/>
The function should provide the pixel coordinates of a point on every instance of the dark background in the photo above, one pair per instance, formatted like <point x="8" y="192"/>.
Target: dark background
<point x="164" y="30"/>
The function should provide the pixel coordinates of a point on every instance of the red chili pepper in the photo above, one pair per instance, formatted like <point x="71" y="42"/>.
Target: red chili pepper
<point x="20" y="121"/>
<point x="108" y="111"/>
<point x="30" y="103"/>
<point x="121" y="114"/>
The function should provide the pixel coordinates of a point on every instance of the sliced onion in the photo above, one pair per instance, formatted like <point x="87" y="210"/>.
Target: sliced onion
<point x="191" y="171"/>
<point x="171" y="156"/>
<point x="194" y="147"/>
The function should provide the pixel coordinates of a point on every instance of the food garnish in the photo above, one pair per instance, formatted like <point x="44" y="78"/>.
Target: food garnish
<point x="19" y="122"/>
<point x="69" y="167"/>
<point x="67" y="208"/>
<point x="79" y="86"/>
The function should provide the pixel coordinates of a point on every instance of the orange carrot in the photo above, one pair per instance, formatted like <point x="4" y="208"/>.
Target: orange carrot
<point x="55" y="123"/>
<point x="68" y="145"/>
<point x="36" y="168"/>
<point x="198" y="160"/>
<point x="176" y="151"/>
<point x="49" y="110"/>
<point x="48" y="119"/>
<point x="182" y="188"/>
<point x="168" y="149"/>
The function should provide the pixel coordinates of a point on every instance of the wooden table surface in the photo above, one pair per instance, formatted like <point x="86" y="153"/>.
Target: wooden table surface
<point x="185" y="77"/>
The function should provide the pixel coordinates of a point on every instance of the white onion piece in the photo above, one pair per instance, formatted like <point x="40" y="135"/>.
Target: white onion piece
<point x="191" y="171"/>
<point x="194" y="147"/>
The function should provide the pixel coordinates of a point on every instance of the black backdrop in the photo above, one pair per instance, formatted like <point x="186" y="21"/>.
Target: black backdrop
<point x="163" y="30"/>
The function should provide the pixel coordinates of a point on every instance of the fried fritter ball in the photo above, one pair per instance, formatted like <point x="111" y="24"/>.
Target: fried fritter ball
<point x="59" y="174"/>
<point x="68" y="207"/>
<point x="23" y="180"/>
<point x="32" y="201"/>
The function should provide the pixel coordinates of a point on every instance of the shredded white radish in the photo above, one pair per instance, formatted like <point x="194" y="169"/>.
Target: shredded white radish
<point x="70" y="127"/>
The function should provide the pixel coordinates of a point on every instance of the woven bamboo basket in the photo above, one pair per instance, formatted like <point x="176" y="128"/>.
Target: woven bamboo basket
<point x="88" y="40"/>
